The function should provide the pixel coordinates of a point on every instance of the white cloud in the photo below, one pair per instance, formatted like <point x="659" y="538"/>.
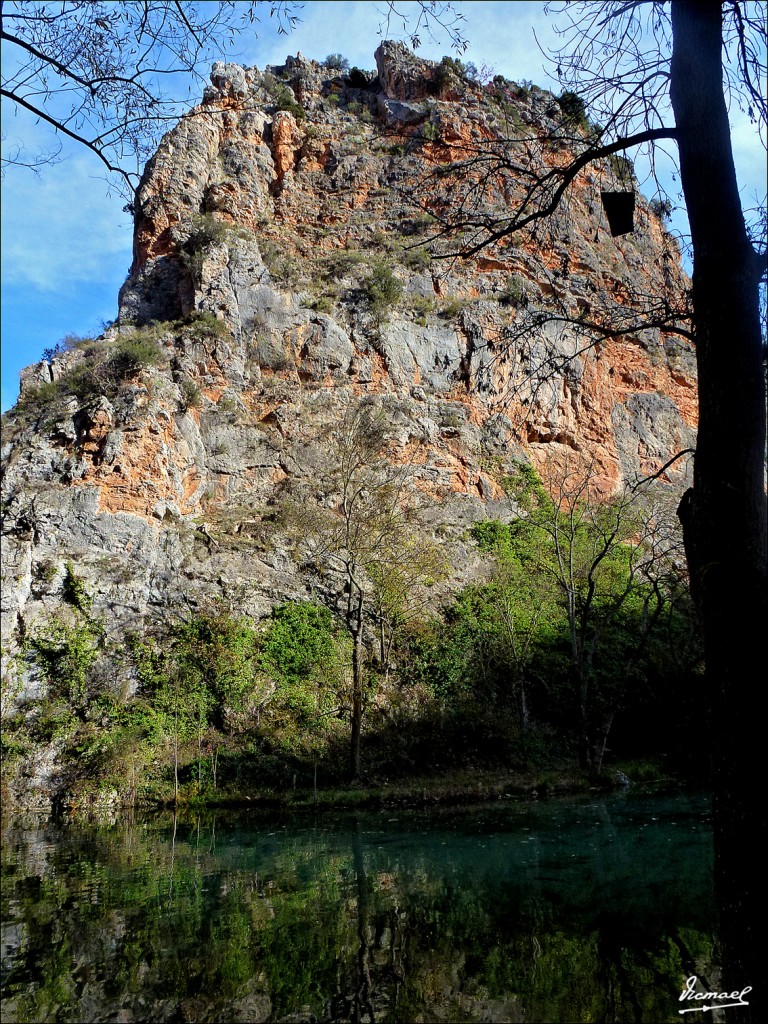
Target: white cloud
<point x="61" y="229"/>
<point x="63" y="234"/>
<point x="749" y="156"/>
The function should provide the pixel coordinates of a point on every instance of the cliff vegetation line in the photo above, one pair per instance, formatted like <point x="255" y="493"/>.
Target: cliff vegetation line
<point x="325" y="503"/>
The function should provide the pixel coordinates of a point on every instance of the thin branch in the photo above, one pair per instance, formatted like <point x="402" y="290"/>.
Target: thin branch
<point x="567" y="175"/>
<point x="72" y="135"/>
<point x="641" y="482"/>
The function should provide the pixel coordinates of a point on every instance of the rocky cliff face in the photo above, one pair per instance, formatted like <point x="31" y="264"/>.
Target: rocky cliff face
<point x="282" y="255"/>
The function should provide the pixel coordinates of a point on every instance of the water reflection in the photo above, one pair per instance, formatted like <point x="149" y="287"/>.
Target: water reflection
<point x="582" y="911"/>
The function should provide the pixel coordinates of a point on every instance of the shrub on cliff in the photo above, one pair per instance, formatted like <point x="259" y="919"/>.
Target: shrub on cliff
<point x="661" y="208"/>
<point x="205" y="231"/>
<point x="574" y="108"/>
<point x="201" y="324"/>
<point x="382" y="289"/>
<point x="64" y="649"/>
<point x="336" y="62"/>
<point x="452" y="71"/>
<point x="514" y="293"/>
<point x="103" y="367"/>
<point x="283" y="96"/>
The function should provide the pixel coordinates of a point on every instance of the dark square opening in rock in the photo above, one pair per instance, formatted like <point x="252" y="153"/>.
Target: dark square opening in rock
<point x="620" y="210"/>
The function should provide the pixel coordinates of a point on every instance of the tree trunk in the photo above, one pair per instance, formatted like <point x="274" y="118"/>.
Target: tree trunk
<point x="357" y="688"/>
<point x="600" y="741"/>
<point x="176" y="754"/>
<point x="724" y="515"/>
<point x="585" y="744"/>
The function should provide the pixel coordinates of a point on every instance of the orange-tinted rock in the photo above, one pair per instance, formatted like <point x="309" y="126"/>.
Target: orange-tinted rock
<point x="481" y="362"/>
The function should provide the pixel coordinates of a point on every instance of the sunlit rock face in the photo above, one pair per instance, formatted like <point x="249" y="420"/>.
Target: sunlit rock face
<point x="287" y="249"/>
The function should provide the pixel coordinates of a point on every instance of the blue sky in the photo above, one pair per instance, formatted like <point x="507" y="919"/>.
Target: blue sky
<point x="66" y="242"/>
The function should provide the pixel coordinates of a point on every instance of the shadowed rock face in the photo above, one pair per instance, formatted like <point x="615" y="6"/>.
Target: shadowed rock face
<point x="292" y="208"/>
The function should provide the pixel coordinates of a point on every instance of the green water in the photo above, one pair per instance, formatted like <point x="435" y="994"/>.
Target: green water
<point x="588" y="910"/>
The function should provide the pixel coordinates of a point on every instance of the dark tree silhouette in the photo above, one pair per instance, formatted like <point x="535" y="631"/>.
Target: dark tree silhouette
<point x="657" y="75"/>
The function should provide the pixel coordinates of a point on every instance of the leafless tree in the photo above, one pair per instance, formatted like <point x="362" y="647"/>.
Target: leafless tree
<point x="662" y="76"/>
<point x="114" y="76"/>
<point x="356" y="522"/>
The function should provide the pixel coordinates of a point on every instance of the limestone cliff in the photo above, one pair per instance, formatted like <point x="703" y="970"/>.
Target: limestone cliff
<point x="283" y="235"/>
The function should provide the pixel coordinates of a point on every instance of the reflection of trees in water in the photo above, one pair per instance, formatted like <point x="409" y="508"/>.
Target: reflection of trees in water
<point x="200" y="922"/>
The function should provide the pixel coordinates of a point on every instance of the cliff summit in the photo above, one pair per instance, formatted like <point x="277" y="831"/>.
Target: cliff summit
<point x="289" y="260"/>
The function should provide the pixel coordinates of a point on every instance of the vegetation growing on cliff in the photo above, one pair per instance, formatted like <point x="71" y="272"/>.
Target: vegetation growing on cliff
<point x="518" y="673"/>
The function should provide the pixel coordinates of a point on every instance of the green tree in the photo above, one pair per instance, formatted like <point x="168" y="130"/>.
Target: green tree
<point x="354" y="527"/>
<point x="635" y="64"/>
<point x="298" y="650"/>
<point x="202" y="675"/>
<point x="336" y="62"/>
<point x="605" y="564"/>
<point x="524" y="610"/>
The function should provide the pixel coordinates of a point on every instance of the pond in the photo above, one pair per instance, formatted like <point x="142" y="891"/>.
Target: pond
<point x="562" y="911"/>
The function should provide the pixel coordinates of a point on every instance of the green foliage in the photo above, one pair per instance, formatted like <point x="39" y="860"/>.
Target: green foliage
<point x="622" y="167"/>
<point x="300" y="652"/>
<point x="282" y="266"/>
<point x="451" y="70"/>
<point x="451" y="308"/>
<point x="525" y="488"/>
<point x="574" y="109"/>
<point x="40" y="399"/>
<point x="202" y="324"/>
<point x="65" y="651"/>
<point x="298" y="639"/>
<point x="135" y="351"/>
<point x="437" y="658"/>
<point x="514" y="293"/>
<point x="67" y="343"/>
<point x="336" y="62"/>
<point x="422" y="306"/>
<point x="416" y="259"/>
<point x="322" y="304"/>
<point x="205" y="231"/>
<point x="47" y="571"/>
<point x="73" y="589"/>
<point x="284" y="98"/>
<point x="661" y="208"/>
<point x="190" y="395"/>
<point x="214" y="659"/>
<point x="197" y="683"/>
<point x="382" y="288"/>
<point x="340" y="262"/>
<point x="102" y="369"/>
